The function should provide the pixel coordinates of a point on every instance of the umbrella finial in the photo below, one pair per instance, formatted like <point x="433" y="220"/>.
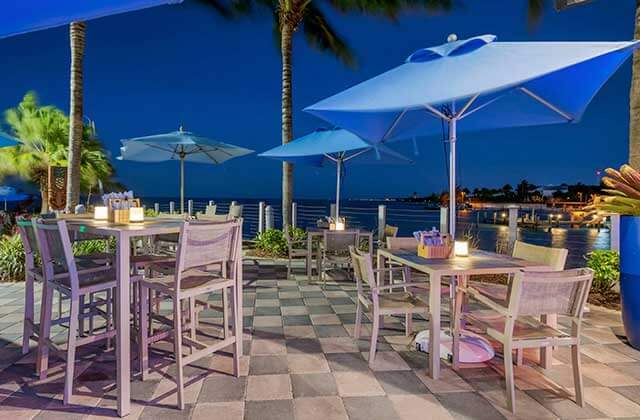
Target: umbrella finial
<point x="181" y="128"/>
<point x="452" y="38"/>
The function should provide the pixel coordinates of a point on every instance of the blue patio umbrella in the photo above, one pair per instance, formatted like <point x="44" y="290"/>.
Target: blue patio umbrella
<point x="23" y="16"/>
<point x="179" y="145"/>
<point x="7" y="141"/>
<point x="475" y="84"/>
<point x="335" y="146"/>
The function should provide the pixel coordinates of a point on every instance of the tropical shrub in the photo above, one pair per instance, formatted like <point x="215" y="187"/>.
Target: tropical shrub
<point x="94" y="246"/>
<point x="623" y="193"/>
<point x="11" y="258"/>
<point x="606" y="265"/>
<point x="272" y="242"/>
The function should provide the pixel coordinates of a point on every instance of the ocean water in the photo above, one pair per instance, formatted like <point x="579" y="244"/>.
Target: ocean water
<point x="410" y="217"/>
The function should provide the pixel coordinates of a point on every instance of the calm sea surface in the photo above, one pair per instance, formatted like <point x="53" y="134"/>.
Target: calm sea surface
<point x="410" y="217"/>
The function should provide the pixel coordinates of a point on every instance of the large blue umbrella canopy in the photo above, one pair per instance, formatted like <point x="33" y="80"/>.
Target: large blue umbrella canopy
<point x="476" y="84"/>
<point x="23" y="16"/>
<point x="7" y="141"/>
<point x="335" y="146"/>
<point x="179" y="145"/>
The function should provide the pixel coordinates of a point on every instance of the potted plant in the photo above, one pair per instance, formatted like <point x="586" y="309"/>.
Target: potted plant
<point x="623" y="198"/>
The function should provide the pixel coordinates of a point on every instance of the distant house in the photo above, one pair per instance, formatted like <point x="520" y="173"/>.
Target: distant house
<point x="547" y="191"/>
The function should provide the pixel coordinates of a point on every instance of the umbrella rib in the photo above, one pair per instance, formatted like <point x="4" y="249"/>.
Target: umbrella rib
<point x="546" y="103"/>
<point x="209" y="155"/>
<point x="479" y="107"/>
<point x="395" y="123"/>
<point x="466" y="107"/>
<point x="355" y="155"/>
<point x="436" y="113"/>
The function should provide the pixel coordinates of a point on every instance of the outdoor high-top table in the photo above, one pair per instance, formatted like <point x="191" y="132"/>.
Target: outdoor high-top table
<point x="123" y="234"/>
<point x="315" y="233"/>
<point x="478" y="262"/>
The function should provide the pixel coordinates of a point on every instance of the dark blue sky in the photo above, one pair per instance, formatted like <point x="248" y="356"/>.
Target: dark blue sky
<point x="150" y="71"/>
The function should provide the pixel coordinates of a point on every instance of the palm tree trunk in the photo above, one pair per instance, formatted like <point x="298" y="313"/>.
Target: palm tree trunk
<point x="44" y="196"/>
<point x="77" y="38"/>
<point x="287" y="122"/>
<point x="634" y="101"/>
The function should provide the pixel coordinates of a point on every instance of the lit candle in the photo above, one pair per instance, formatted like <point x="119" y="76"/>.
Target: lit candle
<point x="101" y="213"/>
<point x="461" y="248"/>
<point x="136" y="214"/>
<point x="340" y="224"/>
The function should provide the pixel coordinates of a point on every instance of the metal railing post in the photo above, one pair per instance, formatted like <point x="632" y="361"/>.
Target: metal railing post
<point x="268" y="215"/>
<point x="382" y="221"/>
<point x="513" y="224"/>
<point x="156" y="207"/>
<point x="172" y="207"/>
<point x="614" y="232"/>
<point x="190" y="208"/>
<point x="444" y="219"/>
<point x="261" y="217"/>
<point x="294" y="215"/>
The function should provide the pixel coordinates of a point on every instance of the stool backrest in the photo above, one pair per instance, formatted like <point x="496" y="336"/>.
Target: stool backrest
<point x="56" y="251"/>
<point x="339" y="241"/>
<point x="204" y="244"/>
<point x="405" y="244"/>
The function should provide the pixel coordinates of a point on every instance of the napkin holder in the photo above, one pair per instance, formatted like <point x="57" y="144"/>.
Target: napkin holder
<point x="119" y="209"/>
<point x="435" y="251"/>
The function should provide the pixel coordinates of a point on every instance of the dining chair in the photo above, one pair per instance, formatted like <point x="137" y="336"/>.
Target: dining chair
<point x="382" y="300"/>
<point x="334" y="251"/>
<point x="73" y="279"/>
<point x="517" y="325"/>
<point x="389" y="231"/>
<point x="207" y="261"/>
<point x="296" y="249"/>
<point x="235" y="211"/>
<point x="554" y="258"/>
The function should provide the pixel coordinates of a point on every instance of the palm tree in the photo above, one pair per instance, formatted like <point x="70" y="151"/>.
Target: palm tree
<point x="535" y="14"/>
<point x="77" y="31"/>
<point x="291" y="15"/>
<point x="43" y="132"/>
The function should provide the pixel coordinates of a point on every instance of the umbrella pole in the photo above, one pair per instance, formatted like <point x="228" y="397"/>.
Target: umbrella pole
<point x="338" y="177"/>
<point x="181" y="185"/>
<point x="452" y="177"/>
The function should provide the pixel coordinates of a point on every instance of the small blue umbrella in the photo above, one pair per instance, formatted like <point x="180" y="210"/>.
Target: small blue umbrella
<point x="476" y="84"/>
<point x="335" y="146"/>
<point x="7" y="141"/>
<point x="23" y="16"/>
<point x="179" y="145"/>
<point x="10" y="194"/>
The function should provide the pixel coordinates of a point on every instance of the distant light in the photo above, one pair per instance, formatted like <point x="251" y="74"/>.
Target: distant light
<point x="503" y="215"/>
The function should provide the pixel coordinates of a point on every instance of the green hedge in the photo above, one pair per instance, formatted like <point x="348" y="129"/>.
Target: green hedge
<point x="272" y="243"/>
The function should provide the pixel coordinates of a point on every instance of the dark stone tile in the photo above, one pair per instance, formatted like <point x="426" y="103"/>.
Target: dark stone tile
<point x="625" y="349"/>
<point x="269" y="410"/>
<point x="314" y="385"/>
<point x="268" y="310"/>
<point x="268" y="365"/>
<point x="303" y="345"/>
<point x="267" y="295"/>
<point x="415" y="359"/>
<point x="401" y="382"/>
<point x="268" y="332"/>
<point x="364" y="344"/>
<point x="340" y="301"/>
<point x="288" y="289"/>
<point x="154" y="412"/>
<point x="370" y="408"/>
<point x="247" y="321"/>
<point x="468" y="405"/>
<point x="312" y="294"/>
<point x="339" y="362"/>
<point x="330" y="331"/>
<point x="631" y="392"/>
<point x="223" y="388"/>
<point x="320" y="309"/>
<point x="291" y="302"/>
<point x="293" y="320"/>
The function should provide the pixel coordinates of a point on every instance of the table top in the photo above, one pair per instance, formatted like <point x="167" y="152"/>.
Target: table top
<point x="320" y="231"/>
<point x="478" y="262"/>
<point x="150" y="226"/>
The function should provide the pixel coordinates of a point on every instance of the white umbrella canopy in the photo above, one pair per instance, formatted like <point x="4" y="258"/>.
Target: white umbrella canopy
<point x="476" y="84"/>
<point x="179" y="145"/>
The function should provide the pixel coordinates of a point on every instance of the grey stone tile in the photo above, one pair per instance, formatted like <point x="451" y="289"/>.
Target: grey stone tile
<point x="330" y="331"/>
<point x="267" y="310"/>
<point x="303" y="345"/>
<point x="269" y="410"/>
<point x="340" y="362"/>
<point x="320" y="309"/>
<point x="152" y="412"/>
<point x="268" y="365"/>
<point x="223" y="388"/>
<point x="370" y="408"/>
<point x="563" y="406"/>
<point x="294" y="320"/>
<point x="314" y="385"/>
<point x="292" y="302"/>
<point x="401" y="382"/>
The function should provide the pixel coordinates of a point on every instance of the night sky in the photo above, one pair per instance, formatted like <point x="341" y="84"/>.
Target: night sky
<point x="149" y="72"/>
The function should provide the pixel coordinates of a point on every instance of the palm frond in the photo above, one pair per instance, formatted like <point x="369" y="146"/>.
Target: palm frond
<point x="320" y="35"/>
<point x="534" y="13"/>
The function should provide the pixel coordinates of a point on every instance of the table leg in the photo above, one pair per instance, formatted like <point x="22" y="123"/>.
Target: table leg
<point x="379" y="276"/>
<point x="123" y="345"/>
<point x="240" y="303"/>
<point x="434" y="326"/>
